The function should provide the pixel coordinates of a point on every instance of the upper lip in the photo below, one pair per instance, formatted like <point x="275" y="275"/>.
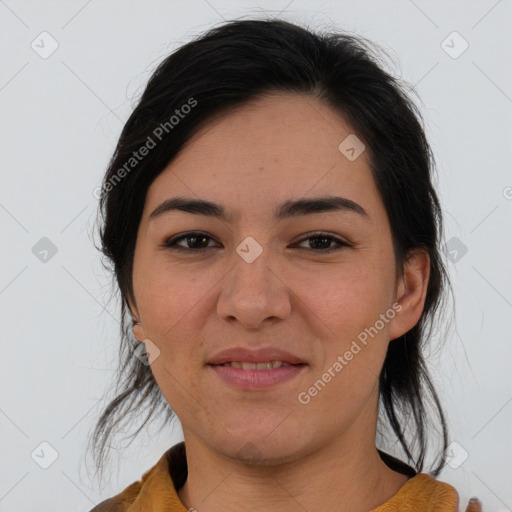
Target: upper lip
<point x="261" y="355"/>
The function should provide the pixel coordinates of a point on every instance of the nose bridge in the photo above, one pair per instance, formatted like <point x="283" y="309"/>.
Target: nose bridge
<point x="251" y="271"/>
<point x="252" y="291"/>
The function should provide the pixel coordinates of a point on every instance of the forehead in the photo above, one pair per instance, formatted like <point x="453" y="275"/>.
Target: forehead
<point x="268" y="151"/>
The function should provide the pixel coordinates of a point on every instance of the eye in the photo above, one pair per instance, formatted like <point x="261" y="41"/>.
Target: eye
<point x="195" y="242"/>
<point x="322" y="241"/>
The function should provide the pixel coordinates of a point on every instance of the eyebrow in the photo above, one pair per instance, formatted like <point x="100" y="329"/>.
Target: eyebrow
<point x="288" y="209"/>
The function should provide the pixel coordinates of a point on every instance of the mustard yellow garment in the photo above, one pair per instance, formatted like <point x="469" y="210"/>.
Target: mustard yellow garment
<point x="156" y="491"/>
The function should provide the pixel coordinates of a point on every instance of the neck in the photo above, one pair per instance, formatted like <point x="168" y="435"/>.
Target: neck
<point x="346" y="475"/>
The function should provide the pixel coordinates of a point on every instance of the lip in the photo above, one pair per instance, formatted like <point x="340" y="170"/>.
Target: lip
<point x="261" y="355"/>
<point x="256" y="380"/>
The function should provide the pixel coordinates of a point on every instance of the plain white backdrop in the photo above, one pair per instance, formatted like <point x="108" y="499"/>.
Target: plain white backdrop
<point x="71" y="72"/>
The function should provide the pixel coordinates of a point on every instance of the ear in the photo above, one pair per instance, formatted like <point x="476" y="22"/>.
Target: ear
<point x="411" y="293"/>
<point x="137" y="329"/>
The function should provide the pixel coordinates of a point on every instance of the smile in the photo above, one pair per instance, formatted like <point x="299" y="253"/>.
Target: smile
<point x="244" y="365"/>
<point x="248" y="376"/>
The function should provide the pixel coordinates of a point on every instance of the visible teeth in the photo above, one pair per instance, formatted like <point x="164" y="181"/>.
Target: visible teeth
<point x="256" y="366"/>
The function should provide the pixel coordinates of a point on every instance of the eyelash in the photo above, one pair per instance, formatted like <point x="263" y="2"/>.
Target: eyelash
<point x="171" y="242"/>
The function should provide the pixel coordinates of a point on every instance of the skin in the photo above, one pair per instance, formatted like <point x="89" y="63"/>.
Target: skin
<point x="263" y="450"/>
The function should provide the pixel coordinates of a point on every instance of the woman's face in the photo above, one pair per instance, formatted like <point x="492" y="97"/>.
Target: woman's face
<point x="258" y="281"/>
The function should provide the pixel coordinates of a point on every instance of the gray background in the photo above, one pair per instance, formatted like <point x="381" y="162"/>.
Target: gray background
<point x="61" y="116"/>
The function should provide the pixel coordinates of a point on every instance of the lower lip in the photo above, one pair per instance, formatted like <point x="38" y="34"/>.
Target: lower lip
<point x="253" y="380"/>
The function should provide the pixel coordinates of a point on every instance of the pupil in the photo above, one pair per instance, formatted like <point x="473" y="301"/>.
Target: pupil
<point x="194" y="238"/>
<point x="323" y="238"/>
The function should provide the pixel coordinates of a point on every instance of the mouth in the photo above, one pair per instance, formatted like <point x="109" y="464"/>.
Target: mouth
<point x="246" y="365"/>
<point x="267" y="357"/>
<point x="247" y="376"/>
<point x="251" y="369"/>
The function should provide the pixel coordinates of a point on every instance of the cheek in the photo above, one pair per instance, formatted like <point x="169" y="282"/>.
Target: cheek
<point x="348" y="298"/>
<point x="171" y="305"/>
<point x="166" y="298"/>
<point x="347" y="307"/>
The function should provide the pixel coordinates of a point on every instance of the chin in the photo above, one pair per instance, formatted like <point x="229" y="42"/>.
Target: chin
<point x="262" y="451"/>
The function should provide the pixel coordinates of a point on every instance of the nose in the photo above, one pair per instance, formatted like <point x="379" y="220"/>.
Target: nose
<point x="254" y="293"/>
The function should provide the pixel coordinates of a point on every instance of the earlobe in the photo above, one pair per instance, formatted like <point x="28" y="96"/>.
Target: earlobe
<point x="136" y="325"/>
<point x="138" y="331"/>
<point x="411" y="293"/>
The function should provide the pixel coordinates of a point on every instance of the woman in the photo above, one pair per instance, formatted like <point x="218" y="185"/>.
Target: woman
<point x="274" y="232"/>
